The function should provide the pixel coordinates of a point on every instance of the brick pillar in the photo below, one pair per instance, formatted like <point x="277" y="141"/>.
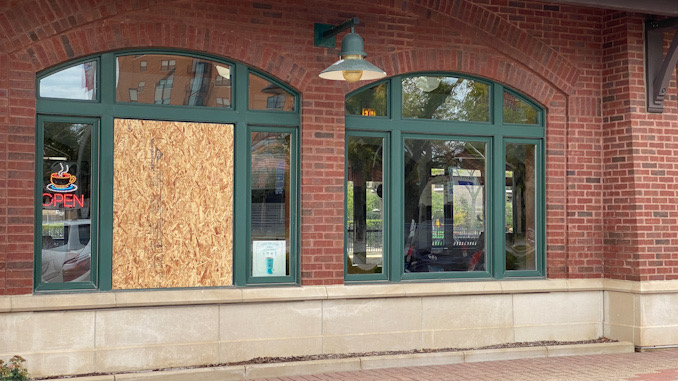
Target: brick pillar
<point x="4" y="134"/>
<point x="17" y="139"/>
<point x="640" y="197"/>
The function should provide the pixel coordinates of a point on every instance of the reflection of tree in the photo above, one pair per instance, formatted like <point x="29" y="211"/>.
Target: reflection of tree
<point x="515" y="162"/>
<point x="421" y="156"/>
<point x="365" y="157"/>
<point x="518" y="111"/>
<point x="373" y="98"/>
<point x="520" y="242"/>
<point x="453" y="99"/>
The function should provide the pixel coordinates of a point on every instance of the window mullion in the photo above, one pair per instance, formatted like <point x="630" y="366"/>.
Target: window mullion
<point x="396" y="202"/>
<point x="497" y="104"/>
<point x="396" y="99"/>
<point x="107" y="85"/>
<point x="242" y="142"/>
<point x="497" y="214"/>
<point x="396" y="179"/>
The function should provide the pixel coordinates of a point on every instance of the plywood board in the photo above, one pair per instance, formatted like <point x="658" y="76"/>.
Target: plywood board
<point x="172" y="204"/>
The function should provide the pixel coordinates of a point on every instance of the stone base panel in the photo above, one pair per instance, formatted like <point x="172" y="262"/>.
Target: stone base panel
<point x="85" y="333"/>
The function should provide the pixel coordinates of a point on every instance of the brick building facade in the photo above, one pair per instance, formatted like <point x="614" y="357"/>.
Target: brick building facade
<point x="610" y="190"/>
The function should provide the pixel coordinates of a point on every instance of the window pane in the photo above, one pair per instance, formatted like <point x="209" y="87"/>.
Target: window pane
<point x="520" y="206"/>
<point x="270" y="187"/>
<point x="172" y="80"/>
<point x="517" y="110"/>
<point x="365" y="205"/>
<point x="446" y="98"/>
<point x="75" y="82"/>
<point x="444" y="205"/>
<point x="266" y="95"/>
<point x="370" y="102"/>
<point x="66" y="199"/>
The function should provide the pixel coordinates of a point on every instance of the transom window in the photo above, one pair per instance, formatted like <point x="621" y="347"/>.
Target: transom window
<point x="143" y="156"/>
<point x="444" y="179"/>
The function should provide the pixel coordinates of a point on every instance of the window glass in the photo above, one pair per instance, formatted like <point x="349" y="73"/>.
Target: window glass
<point x="520" y="206"/>
<point x="172" y="80"/>
<point x="66" y="201"/>
<point x="370" y="102"/>
<point x="266" y="95"/>
<point x="518" y="111"/>
<point x="76" y="82"/>
<point x="444" y="205"/>
<point x="365" y="205"/>
<point x="270" y="192"/>
<point x="446" y="98"/>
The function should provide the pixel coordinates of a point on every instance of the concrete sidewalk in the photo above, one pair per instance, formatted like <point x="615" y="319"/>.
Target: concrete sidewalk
<point x="656" y="365"/>
<point x="590" y="362"/>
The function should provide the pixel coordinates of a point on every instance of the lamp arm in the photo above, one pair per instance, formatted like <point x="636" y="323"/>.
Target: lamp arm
<point x="341" y="27"/>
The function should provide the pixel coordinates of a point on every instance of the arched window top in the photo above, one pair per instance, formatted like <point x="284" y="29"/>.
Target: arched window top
<point x="160" y="78"/>
<point x="519" y="111"/>
<point x="173" y="80"/>
<point x="444" y="97"/>
<point x="77" y="82"/>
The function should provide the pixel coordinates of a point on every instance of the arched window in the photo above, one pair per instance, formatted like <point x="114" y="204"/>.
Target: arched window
<point x="445" y="179"/>
<point x="143" y="154"/>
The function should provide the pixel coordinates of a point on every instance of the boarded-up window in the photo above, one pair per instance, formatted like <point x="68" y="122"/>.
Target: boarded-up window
<point x="173" y="204"/>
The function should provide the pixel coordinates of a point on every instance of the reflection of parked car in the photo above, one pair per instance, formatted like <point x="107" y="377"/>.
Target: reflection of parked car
<point x="67" y="259"/>
<point x="422" y="255"/>
<point x="449" y="259"/>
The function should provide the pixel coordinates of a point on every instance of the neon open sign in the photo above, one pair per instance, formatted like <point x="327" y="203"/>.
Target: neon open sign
<point x="63" y="200"/>
<point x="62" y="183"/>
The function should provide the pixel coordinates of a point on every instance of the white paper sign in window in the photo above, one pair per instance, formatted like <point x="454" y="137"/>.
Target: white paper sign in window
<point x="268" y="258"/>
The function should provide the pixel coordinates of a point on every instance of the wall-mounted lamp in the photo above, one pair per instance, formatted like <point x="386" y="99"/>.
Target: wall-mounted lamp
<point x="351" y="66"/>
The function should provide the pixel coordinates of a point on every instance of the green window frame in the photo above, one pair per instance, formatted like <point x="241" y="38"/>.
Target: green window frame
<point x="104" y="110"/>
<point x="494" y="133"/>
<point x="94" y="264"/>
<point x="244" y="274"/>
<point x="376" y="274"/>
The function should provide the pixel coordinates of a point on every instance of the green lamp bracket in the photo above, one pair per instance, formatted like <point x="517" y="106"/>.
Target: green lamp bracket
<point x="324" y="35"/>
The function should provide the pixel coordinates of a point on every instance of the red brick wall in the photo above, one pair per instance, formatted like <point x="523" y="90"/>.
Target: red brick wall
<point x="640" y="162"/>
<point x="565" y="58"/>
<point x="575" y="250"/>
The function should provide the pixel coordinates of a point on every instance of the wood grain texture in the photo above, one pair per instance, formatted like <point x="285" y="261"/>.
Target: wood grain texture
<point x="173" y="204"/>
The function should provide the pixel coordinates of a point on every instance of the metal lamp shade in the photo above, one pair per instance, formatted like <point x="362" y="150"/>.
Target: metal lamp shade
<point x="337" y="69"/>
<point x="352" y="65"/>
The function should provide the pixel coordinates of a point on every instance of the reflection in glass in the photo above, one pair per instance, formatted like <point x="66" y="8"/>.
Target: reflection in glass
<point x="172" y="80"/>
<point x="365" y="205"/>
<point x="266" y="95"/>
<point x="370" y="102"/>
<point x="270" y="187"/>
<point x="444" y="205"/>
<point x="446" y="98"/>
<point x="520" y="206"/>
<point x="517" y="110"/>
<point x="75" y="82"/>
<point x="66" y="200"/>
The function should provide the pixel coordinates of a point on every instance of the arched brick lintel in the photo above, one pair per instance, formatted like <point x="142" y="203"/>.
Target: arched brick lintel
<point x="492" y="67"/>
<point x="493" y="31"/>
<point x="110" y="36"/>
<point x="128" y="28"/>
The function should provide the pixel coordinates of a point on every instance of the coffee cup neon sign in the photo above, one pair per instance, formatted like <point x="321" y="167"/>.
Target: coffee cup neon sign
<point x="63" y="183"/>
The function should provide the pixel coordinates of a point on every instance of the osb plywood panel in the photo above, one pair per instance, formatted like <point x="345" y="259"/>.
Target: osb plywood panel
<point x="172" y="204"/>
